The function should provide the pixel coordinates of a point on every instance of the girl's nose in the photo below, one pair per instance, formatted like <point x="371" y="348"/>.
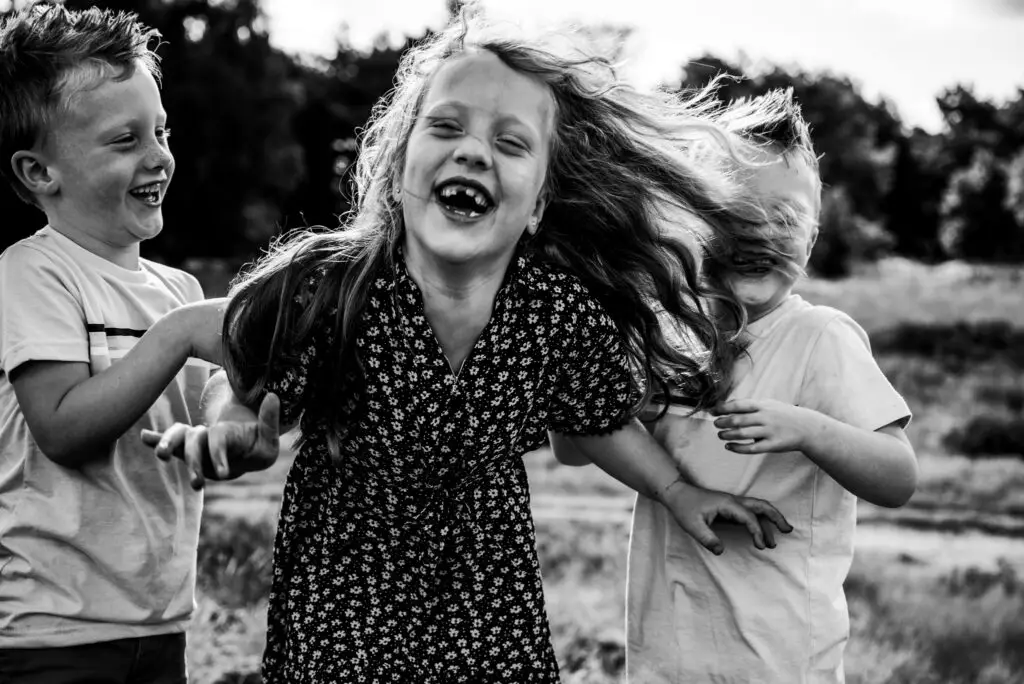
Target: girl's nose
<point x="473" y="152"/>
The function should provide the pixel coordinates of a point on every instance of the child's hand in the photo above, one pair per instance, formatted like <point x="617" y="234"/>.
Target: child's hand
<point x="201" y="323"/>
<point x="695" y="510"/>
<point x="774" y="426"/>
<point x="224" y="450"/>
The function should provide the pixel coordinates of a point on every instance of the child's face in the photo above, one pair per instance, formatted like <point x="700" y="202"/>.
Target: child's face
<point x="758" y="286"/>
<point x="111" y="164"/>
<point x="476" y="162"/>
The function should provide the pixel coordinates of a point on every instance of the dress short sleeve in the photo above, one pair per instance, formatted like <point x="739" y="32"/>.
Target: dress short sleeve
<point x="843" y="380"/>
<point x="595" y="394"/>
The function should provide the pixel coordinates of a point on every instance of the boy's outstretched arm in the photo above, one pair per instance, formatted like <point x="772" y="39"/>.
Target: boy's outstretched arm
<point x="76" y="417"/>
<point x="235" y="439"/>
<point x="878" y="466"/>
<point x="632" y="456"/>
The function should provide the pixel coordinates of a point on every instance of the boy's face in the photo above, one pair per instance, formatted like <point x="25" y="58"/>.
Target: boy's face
<point x="758" y="286"/>
<point x="109" y="159"/>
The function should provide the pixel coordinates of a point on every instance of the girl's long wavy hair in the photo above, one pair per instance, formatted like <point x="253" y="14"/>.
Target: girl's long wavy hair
<point x="619" y="188"/>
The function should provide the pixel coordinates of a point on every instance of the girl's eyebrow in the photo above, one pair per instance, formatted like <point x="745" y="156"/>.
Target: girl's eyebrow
<point x="462" y="107"/>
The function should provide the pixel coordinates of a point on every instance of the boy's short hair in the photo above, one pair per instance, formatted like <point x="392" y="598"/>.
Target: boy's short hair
<point x="47" y="53"/>
<point x="775" y="120"/>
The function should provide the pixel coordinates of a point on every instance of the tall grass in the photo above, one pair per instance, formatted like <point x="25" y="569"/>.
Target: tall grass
<point x="909" y="625"/>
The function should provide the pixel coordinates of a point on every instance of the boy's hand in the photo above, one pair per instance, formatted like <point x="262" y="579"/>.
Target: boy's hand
<point x="696" y="509"/>
<point x="224" y="450"/>
<point x="201" y="324"/>
<point x="765" y="425"/>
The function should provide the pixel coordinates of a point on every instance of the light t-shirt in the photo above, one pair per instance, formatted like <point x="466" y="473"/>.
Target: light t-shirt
<point x="108" y="550"/>
<point x="777" y="616"/>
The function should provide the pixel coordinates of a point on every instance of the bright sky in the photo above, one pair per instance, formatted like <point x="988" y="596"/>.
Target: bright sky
<point x="904" y="50"/>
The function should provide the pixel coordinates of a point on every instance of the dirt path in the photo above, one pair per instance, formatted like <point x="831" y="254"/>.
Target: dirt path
<point x="943" y="538"/>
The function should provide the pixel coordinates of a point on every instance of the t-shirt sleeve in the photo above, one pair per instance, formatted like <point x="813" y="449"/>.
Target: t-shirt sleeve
<point x="594" y="395"/>
<point x="41" y="317"/>
<point x="844" y="381"/>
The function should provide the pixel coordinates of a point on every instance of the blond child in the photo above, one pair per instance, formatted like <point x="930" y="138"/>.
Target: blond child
<point x="97" y="541"/>
<point x="810" y="423"/>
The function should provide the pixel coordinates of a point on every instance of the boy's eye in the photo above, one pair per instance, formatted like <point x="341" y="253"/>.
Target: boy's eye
<point x="163" y="133"/>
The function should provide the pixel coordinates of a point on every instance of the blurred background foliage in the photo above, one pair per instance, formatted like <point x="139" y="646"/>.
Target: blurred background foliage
<point x="264" y="141"/>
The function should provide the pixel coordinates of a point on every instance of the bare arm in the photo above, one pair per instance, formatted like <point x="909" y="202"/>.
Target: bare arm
<point x="632" y="456"/>
<point x="878" y="466"/>
<point x="76" y="417"/>
<point x="567" y="453"/>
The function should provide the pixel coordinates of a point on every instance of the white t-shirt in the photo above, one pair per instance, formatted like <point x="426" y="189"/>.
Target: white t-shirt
<point x="777" y="616"/>
<point x="108" y="550"/>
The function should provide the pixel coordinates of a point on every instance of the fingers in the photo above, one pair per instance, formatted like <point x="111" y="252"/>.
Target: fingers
<point x="743" y="434"/>
<point x="172" y="442"/>
<point x="217" y="444"/>
<point x="270" y="421"/>
<point x="738" y="420"/>
<point x="151" y="437"/>
<point x="765" y="510"/>
<point x="196" y="452"/>
<point x="759" y="447"/>
<point x="706" y="537"/>
<point x="736" y="511"/>
<point x="766" y="530"/>
<point x="736" y="406"/>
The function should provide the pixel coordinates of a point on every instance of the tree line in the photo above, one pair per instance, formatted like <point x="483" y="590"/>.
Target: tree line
<point x="264" y="142"/>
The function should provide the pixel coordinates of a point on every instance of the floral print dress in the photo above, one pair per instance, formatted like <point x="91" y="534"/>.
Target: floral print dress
<point x="411" y="557"/>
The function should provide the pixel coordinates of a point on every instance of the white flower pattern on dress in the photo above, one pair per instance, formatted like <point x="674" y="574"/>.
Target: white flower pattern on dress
<point x="412" y="558"/>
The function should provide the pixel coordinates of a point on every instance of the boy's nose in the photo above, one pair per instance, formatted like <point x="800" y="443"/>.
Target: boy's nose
<point x="159" y="157"/>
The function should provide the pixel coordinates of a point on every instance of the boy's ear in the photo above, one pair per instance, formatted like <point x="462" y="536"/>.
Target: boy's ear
<point x="33" y="172"/>
<point x="811" y="241"/>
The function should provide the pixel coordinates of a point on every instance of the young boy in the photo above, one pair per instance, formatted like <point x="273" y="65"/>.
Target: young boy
<point x="97" y="538"/>
<point x="810" y="424"/>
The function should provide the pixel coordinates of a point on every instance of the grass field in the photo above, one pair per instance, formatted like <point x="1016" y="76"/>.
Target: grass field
<point x="951" y="339"/>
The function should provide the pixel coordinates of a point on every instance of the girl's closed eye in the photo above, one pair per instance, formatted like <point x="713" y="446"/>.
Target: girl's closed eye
<point x="513" y="144"/>
<point x="444" y="126"/>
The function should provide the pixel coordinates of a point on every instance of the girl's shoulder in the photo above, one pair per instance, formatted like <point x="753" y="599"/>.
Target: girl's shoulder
<point x="554" y="286"/>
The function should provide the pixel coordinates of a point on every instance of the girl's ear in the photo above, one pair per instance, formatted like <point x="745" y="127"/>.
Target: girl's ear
<point x="538" y="213"/>
<point x="31" y="170"/>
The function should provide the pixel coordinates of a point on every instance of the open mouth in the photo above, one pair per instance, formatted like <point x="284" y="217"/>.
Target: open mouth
<point x="464" y="198"/>
<point x="753" y="267"/>
<point x="149" y="194"/>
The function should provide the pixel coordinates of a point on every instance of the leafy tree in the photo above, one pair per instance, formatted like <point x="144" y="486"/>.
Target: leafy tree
<point x="977" y="223"/>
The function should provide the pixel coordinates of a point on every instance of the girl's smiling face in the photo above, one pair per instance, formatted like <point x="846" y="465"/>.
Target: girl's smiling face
<point x="476" y="162"/>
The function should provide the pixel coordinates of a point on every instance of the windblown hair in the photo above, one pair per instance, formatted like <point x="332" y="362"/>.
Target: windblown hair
<point x="774" y="123"/>
<point x="618" y="178"/>
<point x="47" y="54"/>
